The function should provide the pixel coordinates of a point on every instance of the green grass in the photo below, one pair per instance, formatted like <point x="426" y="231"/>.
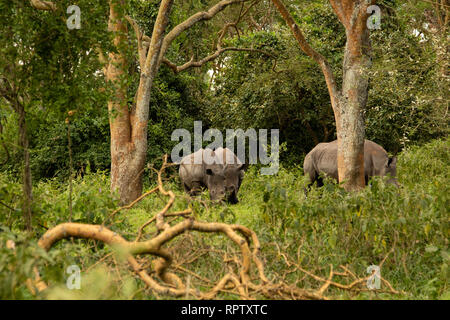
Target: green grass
<point x="328" y="227"/>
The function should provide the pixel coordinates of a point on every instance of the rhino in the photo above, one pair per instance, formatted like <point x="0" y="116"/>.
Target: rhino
<point x="220" y="171"/>
<point x="323" y="159"/>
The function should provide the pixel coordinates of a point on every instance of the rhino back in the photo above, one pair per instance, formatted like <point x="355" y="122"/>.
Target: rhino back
<point x="325" y="158"/>
<point x="226" y="156"/>
<point x="189" y="170"/>
<point x="375" y="159"/>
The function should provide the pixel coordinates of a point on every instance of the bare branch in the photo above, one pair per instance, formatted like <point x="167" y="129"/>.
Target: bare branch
<point x="142" y="45"/>
<point x="157" y="40"/>
<point x="219" y="49"/>
<point x="209" y="58"/>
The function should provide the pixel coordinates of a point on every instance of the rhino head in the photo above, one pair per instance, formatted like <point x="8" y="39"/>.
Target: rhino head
<point x="223" y="182"/>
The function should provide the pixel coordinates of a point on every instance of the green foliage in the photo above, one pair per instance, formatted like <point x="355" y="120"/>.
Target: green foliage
<point x="57" y="70"/>
<point x="64" y="75"/>
<point x="10" y="193"/>
<point x="286" y="90"/>
<point x="406" y="97"/>
<point x="328" y="226"/>
<point x="173" y="105"/>
<point x="90" y="146"/>
<point x="98" y="284"/>
<point x="92" y="200"/>
<point x="406" y="103"/>
<point x="359" y="229"/>
<point x="16" y="265"/>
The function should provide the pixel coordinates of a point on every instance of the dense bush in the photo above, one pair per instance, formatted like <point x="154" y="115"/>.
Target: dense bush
<point x="335" y="227"/>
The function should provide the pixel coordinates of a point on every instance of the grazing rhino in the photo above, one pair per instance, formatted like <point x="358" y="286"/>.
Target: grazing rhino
<point x="219" y="171"/>
<point x="323" y="159"/>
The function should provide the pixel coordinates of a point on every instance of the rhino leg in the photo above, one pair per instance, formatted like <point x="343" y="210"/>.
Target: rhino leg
<point x="314" y="177"/>
<point x="319" y="181"/>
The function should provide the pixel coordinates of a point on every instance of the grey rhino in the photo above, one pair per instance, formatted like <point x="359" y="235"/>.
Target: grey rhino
<point x="323" y="159"/>
<point x="220" y="171"/>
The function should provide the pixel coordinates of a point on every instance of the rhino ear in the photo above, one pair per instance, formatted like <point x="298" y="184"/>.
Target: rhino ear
<point x="209" y="172"/>
<point x="392" y="162"/>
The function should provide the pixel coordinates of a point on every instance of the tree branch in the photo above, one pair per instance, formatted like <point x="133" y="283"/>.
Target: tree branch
<point x="192" y="63"/>
<point x="142" y="39"/>
<point x="219" y="49"/>
<point x="148" y="72"/>
<point x="199" y="16"/>
<point x="337" y="7"/>
<point x="323" y="63"/>
<point x="356" y="25"/>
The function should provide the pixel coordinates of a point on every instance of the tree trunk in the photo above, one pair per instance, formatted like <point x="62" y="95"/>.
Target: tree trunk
<point x="119" y="116"/>
<point x="349" y="103"/>
<point x="129" y="129"/>
<point x="352" y="105"/>
<point x="26" y="174"/>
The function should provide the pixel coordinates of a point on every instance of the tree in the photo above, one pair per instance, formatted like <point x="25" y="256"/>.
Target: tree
<point x="128" y="126"/>
<point x="35" y="74"/>
<point x="250" y="91"/>
<point x="405" y="104"/>
<point x="349" y="102"/>
<point x="406" y="96"/>
<point x="17" y="102"/>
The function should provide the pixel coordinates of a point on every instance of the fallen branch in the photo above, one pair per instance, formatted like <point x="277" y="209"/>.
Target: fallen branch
<point x="43" y="5"/>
